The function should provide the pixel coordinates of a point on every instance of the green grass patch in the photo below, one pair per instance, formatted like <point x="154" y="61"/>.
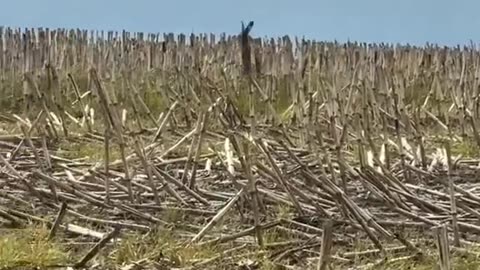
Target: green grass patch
<point x="467" y="148"/>
<point x="459" y="262"/>
<point x="160" y="244"/>
<point x="155" y="102"/>
<point x="30" y="248"/>
<point x="92" y="151"/>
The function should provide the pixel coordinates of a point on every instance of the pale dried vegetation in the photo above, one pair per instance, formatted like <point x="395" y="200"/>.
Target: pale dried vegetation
<point x="131" y="151"/>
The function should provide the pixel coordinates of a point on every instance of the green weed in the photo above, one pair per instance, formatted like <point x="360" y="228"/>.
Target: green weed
<point x="30" y="248"/>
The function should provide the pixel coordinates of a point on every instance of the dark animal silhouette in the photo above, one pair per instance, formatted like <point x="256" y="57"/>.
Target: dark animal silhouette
<point x="246" y="58"/>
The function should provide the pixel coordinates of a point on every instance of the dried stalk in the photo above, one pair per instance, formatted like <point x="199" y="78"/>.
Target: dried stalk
<point x="443" y="248"/>
<point x="58" y="221"/>
<point x="95" y="249"/>
<point x="326" y="246"/>
<point x="217" y="217"/>
<point x="453" y="204"/>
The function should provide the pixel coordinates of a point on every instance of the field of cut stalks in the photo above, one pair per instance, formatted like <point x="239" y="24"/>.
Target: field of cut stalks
<point x="131" y="151"/>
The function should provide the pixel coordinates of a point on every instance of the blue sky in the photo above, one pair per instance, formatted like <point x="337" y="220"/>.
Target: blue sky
<point x="413" y="21"/>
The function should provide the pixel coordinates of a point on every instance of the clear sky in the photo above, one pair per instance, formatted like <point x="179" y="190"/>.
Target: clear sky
<point x="413" y="21"/>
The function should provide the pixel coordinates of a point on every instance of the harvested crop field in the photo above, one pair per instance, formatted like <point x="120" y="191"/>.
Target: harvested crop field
<point x="131" y="151"/>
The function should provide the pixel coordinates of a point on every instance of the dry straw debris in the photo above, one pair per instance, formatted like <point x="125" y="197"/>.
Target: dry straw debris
<point x="140" y="151"/>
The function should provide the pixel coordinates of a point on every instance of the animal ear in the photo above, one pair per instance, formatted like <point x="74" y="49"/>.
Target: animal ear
<point x="250" y="25"/>
<point x="247" y="30"/>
